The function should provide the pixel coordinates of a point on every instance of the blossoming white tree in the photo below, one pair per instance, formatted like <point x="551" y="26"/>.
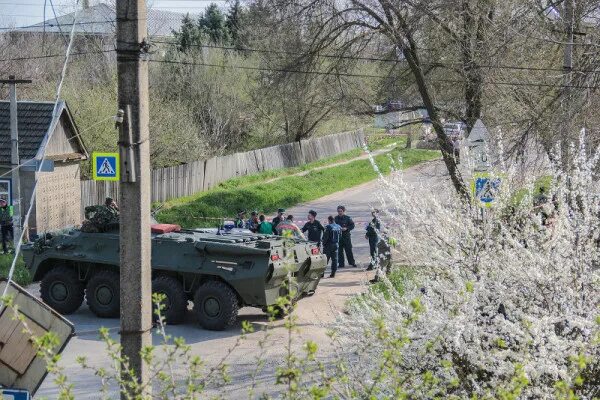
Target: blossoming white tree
<point x="499" y="304"/>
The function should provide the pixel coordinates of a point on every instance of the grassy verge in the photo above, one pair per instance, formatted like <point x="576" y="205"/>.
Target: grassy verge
<point x="248" y="193"/>
<point x="398" y="278"/>
<point x="21" y="275"/>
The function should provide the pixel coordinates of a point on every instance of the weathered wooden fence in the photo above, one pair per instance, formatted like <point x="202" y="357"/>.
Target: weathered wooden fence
<point x="187" y="179"/>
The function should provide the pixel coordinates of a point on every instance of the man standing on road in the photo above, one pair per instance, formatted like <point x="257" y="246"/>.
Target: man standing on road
<point x="373" y="235"/>
<point x="277" y="220"/>
<point x="346" y="240"/>
<point x="6" y="224"/>
<point x="331" y="243"/>
<point x="313" y="227"/>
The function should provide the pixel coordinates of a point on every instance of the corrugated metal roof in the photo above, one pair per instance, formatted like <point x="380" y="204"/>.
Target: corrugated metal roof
<point x="100" y="20"/>
<point x="34" y="119"/>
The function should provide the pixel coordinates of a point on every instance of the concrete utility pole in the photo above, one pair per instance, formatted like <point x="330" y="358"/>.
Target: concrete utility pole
<point x="134" y="189"/>
<point x="14" y="156"/>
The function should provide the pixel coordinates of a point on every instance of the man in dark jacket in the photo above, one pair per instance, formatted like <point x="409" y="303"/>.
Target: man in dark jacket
<point x="279" y="218"/>
<point x="331" y="243"/>
<point x="314" y="228"/>
<point x="373" y="235"/>
<point x="6" y="224"/>
<point x="346" y="240"/>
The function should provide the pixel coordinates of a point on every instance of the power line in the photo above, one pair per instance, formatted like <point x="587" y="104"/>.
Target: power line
<point x="55" y="55"/>
<point x="377" y="59"/>
<point x="499" y="83"/>
<point x="56" y="23"/>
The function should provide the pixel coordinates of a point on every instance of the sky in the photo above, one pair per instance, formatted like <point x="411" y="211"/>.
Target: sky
<point x="27" y="12"/>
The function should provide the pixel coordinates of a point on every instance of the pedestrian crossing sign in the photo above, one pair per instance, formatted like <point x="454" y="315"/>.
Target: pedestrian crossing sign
<point x="486" y="188"/>
<point x="105" y="166"/>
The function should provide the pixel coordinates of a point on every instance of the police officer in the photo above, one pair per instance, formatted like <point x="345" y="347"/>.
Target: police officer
<point x="6" y="223"/>
<point x="373" y="235"/>
<point x="331" y="243"/>
<point x="314" y="228"/>
<point x="346" y="240"/>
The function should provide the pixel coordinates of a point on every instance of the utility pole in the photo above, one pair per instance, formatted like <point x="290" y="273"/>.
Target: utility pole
<point x="14" y="156"/>
<point x="134" y="189"/>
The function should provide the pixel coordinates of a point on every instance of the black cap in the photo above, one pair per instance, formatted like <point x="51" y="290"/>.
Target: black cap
<point x="254" y="213"/>
<point x="313" y="213"/>
<point x="281" y="210"/>
<point x="341" y="207"/>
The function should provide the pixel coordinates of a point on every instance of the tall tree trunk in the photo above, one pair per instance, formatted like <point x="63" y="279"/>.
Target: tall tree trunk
<point x="444" y="142"/>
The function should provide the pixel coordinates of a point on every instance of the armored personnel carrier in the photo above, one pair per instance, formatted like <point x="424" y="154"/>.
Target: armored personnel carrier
<point x="219" y="272"/>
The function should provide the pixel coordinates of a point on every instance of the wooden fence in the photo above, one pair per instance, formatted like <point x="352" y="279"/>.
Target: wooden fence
<point x="188" y="179"/>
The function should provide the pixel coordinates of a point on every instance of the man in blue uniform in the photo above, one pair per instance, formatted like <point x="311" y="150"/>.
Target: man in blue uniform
<point x="346" y="240"/>
<point x="331" y="243"/>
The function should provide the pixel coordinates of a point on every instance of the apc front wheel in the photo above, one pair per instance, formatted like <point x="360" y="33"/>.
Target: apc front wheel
<point x="216" y="305"/>
<point x="62" y="290"/>
<point x="102" y="294"/>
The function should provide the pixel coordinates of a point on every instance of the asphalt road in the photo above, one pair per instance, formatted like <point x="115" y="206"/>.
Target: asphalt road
<point x="314" y="313"/>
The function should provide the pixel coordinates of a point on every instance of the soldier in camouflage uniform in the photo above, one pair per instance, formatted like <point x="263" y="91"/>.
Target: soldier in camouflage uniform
<point x="101" y="218"/>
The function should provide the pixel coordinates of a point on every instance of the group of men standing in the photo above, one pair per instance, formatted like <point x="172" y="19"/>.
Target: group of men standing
<point x="334" y="237"/>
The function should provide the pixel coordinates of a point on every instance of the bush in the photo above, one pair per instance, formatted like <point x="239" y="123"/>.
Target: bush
<point x="21" y="275"/>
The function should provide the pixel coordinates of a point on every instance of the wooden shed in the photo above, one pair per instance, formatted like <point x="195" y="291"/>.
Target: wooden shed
<point x="58" y="195"/>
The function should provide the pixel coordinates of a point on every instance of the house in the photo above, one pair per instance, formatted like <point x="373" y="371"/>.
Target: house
<point x="58" y="194"/>
<point x="99" y="21"/>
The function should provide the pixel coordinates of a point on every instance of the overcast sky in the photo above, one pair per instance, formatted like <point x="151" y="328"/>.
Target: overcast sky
<point x="27" y="12"/>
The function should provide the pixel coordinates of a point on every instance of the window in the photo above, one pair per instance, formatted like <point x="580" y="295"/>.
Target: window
<point x="5" y="190"/>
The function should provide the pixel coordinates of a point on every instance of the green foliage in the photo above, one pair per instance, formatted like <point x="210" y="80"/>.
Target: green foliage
<point x="21" y="275"/>
<point x="212" y="24"/>
<point x="224" y="201"/>
<point x="212" y="27"/>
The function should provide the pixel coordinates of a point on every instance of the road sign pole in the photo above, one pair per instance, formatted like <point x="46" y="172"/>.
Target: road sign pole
<point x="134" y="197"/>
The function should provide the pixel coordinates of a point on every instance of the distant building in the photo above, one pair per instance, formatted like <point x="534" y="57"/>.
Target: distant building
<point x="58" y="195"/>
<point x="387" y="119"/>
<point x="99" y="21"/>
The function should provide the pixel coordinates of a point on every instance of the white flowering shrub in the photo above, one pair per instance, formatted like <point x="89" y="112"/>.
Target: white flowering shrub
<point x="499" y="304"/>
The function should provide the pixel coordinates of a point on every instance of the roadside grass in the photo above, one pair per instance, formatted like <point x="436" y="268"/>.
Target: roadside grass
<point x="21" y="275"/>
<point x="397" y="281"/>
<point x="277" y="173"/>
<point x="249" y="194"/>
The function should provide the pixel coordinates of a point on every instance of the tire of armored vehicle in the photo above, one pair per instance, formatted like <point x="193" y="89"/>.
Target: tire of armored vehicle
<point x="218" y="272"/>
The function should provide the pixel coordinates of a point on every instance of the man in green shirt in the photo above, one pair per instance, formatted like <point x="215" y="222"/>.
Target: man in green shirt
<point x="264" y="227"/>
<point x="6" y="224"/>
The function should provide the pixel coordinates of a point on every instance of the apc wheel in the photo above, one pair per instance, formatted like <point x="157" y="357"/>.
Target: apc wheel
<point x="102" y="294"/>
<point x="175" y="303"/>
<point x="216" y="305"/>
<point x="62" y="290"/>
